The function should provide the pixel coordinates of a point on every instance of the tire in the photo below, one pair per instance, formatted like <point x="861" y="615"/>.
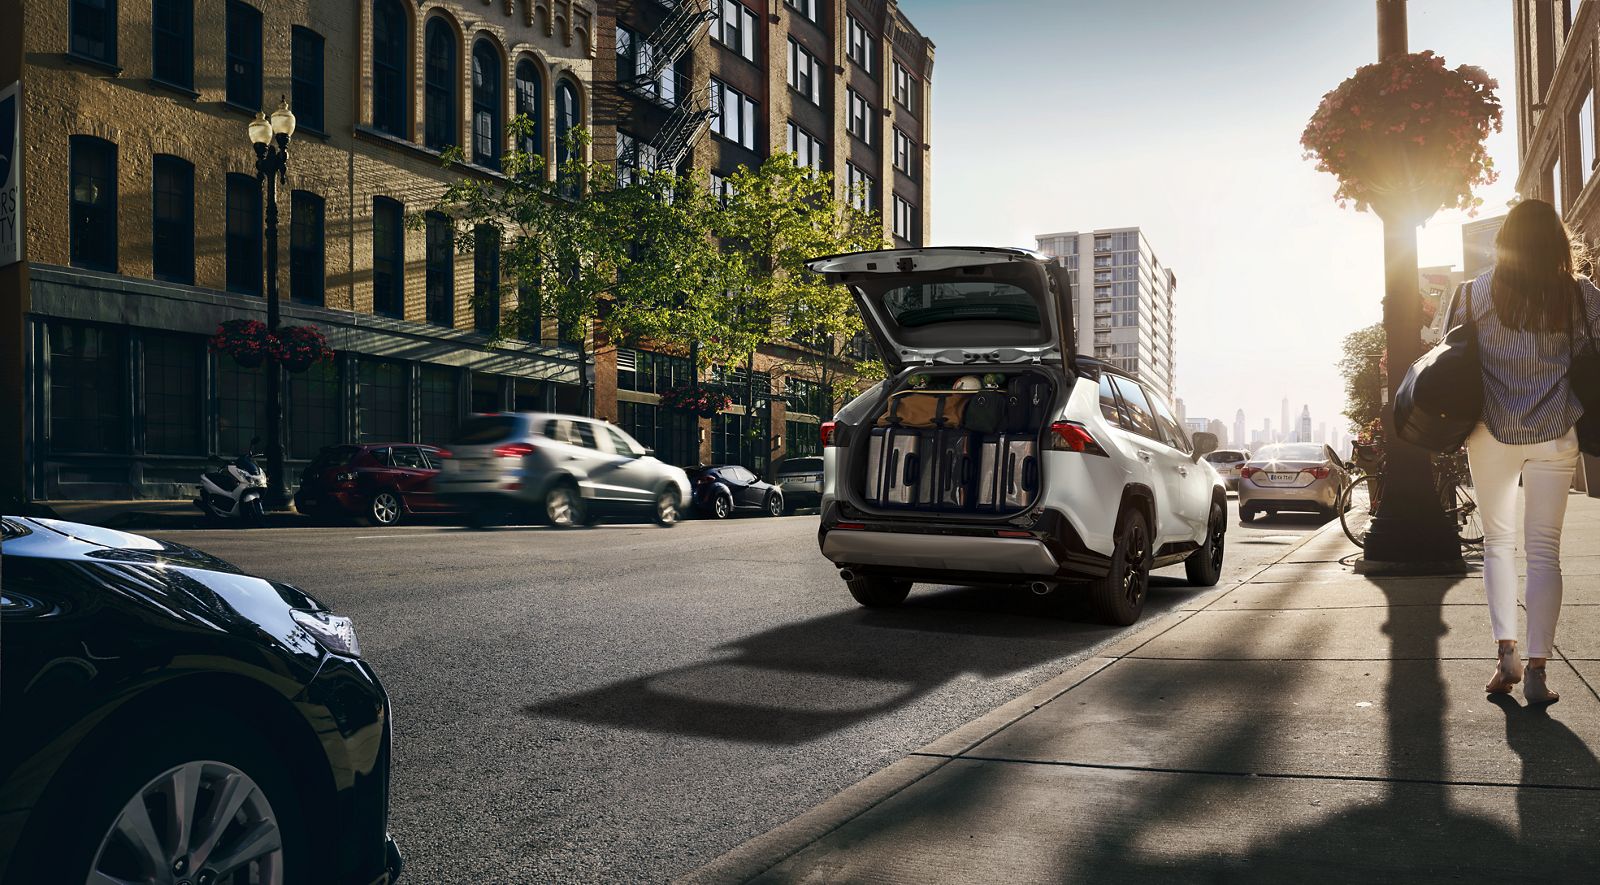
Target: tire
<point x="1463" y="509"/>
<point x="252" y="514"/>
<point x="667" y="510"/>
<point x="384" y="509"/>
<point x="775" y="505"/>
<point x="72" y="833"/>
<point x="1247" y="514"/>
<point x="563" y="508"/>
<point x="876" y="591"/>
<point x="1204" y="566"/>
<point x="1355" y="510"/>
<point x="1119" y="597"/>
<point x="721" y="507"/>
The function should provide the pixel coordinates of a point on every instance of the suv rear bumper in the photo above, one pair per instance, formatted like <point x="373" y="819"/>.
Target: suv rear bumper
<point x="962" y="552"/>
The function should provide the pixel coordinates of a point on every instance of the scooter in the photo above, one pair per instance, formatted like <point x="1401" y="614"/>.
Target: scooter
<point x="235" y="491"/>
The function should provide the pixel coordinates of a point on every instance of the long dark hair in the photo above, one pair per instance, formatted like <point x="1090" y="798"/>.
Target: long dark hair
<point x="1535" y="287"/>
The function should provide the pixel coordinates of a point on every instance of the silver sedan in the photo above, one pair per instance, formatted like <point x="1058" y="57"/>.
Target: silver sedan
<point x="1304" y="477"/>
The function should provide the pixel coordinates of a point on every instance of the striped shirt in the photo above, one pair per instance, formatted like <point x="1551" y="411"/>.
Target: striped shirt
<point x="1526" y="395"/>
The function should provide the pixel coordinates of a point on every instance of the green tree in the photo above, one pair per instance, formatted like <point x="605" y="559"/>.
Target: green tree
<point x="1362" y="369"/>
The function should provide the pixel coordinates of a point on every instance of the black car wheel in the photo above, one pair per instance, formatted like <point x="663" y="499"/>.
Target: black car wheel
<point x="217" y="786"/>
<point x="384" y="509"/>
<point x="1204" y="566"/>
<point x="667" y="512"/>
<point x="722" y="507"/>
<point x="775" y="504"/>
<point x="876" y="591"/>
<point x="1118" y="598"/>
<point x="562" y="506"/>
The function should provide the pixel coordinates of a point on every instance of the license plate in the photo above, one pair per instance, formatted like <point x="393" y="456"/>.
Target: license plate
<point x="1282" y="477"/>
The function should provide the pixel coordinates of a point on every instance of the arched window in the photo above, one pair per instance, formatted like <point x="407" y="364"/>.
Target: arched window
<point x="530" y="103"/>
<point x="566" y="119"/>
<point x="440" y="76"/>
<point x="389" y="67"/>
<point x="486" y="92"/>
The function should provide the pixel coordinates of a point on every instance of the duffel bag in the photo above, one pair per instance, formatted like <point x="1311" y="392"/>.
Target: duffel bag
<point x="1440" y="400"/>
<point x="986" y="412"/>
<point x="926" y="408"/>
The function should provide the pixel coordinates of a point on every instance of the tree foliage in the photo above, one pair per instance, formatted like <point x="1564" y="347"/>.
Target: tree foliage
<point x="1361" y="366"/>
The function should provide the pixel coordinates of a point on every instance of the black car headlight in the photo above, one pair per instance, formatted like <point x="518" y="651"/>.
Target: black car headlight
<point x="335" y="633"/>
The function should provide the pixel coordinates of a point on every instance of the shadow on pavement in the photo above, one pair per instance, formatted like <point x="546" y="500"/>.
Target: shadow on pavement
<point x="800" y="681"/>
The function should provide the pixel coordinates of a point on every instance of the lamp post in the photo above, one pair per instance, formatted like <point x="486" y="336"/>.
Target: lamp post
<point x="271" y="140"/>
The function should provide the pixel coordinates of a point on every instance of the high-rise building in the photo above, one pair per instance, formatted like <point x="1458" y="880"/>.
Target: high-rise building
<point x="1322" y="432"/>
<point x="1218" y="429"/>
<point x="1238" y="429"/>
<point x="1123" y="301"/>
<point x="1181" y="410"/>
<point x="1477" y="245"/>
<point x="1286" y="429"/>
<point x="1303" y="432"/>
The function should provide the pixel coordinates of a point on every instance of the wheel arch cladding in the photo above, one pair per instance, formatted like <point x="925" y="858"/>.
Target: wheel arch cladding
<point x="1140" y="496"/>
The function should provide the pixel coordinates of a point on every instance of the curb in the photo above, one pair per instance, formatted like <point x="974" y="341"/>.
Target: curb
<point x="759" y="854"/>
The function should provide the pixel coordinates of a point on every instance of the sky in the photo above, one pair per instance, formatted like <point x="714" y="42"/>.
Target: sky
<point x="1184" y="118"/>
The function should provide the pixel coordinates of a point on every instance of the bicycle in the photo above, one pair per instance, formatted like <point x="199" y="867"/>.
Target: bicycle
<point x="1360" y="500"/>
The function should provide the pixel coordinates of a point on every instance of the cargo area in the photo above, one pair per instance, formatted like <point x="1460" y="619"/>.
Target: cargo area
<point x="956" y="442"/>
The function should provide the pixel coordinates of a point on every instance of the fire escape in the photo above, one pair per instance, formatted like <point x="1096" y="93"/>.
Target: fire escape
<point x="691" y="111"/>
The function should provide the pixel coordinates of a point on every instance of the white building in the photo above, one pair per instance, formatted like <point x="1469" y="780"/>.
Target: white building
<point x="1304" y="431"/>
<point x="1123" y="299"/>
<point x="1239" y="440"/>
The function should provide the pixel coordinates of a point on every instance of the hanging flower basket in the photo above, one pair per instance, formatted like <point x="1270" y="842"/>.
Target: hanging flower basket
<point x="298" y="348"/>
<point x="1405" y="136"/>
<point x="244" y="340"/>
<point x="702" y="400"/>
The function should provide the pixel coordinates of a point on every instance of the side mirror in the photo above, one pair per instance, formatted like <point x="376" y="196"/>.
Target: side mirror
<point x="648" y="453"/>
<point x="1204" y="443"/>
<point x="1331" y="455"/>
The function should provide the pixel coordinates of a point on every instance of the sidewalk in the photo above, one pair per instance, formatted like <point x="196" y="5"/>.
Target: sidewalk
<point x="1306" y="725"/>
<point x="148" y="514"/>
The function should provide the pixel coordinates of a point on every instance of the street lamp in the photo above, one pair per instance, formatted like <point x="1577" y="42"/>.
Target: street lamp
<point x="271" y="140"/>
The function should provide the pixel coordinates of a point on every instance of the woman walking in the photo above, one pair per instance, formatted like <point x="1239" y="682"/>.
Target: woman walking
<point x="1531" y="309"/>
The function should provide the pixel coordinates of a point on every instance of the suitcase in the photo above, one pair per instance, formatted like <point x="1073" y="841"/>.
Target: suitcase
<point x="873" y="490"/>
<point x="955" y="469"/>
<point x="1008" y="471"/>
<point x="986" y="490"/>
<point x="921" y="408"/>
<point x="904" y="465"/>
<point x="1027" y="404"/>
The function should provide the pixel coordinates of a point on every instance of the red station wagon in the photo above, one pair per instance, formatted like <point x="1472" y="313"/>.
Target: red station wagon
<point x="379" y="483"/>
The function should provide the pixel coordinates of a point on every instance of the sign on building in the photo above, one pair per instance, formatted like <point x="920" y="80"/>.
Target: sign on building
<point x="10" y="175"/>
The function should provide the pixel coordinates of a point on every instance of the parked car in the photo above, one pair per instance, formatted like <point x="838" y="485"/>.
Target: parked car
<point x="379" y="483"/>
<point x="1226" y="462"/>
<point x="1031" y="465"/>
<point x="800" y="481"/>
<point x="721" y="491"/>
<point x="152" y="693"/>
<point x="567" y="470"/>
<point x="1304" y="477"/>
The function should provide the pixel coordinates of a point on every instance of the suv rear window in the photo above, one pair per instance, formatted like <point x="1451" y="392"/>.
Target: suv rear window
<point x="486" y="429"/>
<point x="1225" y="457"/>
<point x="959" y="301"/>
<point x="810" y="465"/>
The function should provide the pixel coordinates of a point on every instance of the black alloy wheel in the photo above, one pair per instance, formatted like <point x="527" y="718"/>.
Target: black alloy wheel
<point x="384" y="509"/>
<point x="877" y="591"/>
<point x="1119" y="597"/>
<point x="775" y="504"/>
<point x="1204" y="566"/>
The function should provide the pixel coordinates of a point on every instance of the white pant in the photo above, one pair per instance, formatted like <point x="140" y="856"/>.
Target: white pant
<point x="1546" y="470"/>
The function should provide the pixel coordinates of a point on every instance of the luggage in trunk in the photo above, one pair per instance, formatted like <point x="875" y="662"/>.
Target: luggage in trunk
<point x="955" y="469"/>
<point x="1008" y="471"/>
<point x="897" y="469"/>
<point x="923" y="408"/>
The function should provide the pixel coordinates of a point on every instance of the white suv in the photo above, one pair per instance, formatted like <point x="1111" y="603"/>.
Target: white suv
<point x="1079" y="473"/>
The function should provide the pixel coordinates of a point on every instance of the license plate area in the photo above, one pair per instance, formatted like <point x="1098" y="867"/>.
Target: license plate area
<point x="1282" y="477"/>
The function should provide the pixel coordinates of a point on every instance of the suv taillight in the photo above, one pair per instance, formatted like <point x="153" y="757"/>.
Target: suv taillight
<point x="827" y="433"/>
<point x="1247" y="472"/>
<point x="514" y="450"/>
<point x="1070" y="436"/>
<point x="1318" y="472"/>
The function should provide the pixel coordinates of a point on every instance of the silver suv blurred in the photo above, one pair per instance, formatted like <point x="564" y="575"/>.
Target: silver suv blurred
<point x="565" y="469"/>
<point x="800" y="479"/>
<point x="1227" y="463"/>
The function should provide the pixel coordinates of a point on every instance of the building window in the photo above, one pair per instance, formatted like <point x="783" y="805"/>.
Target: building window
<point x="486" y="279"/>
<point x="172" y="385"/>
<point x="860" y="116"/>
<point x="94" y="30"/>
<point x="307" y="259"/>
<point x="806" y="8"/>
<point x="388" y="257"/>
<point x="305" y="78"/>
<point x="241" y="404"/>
<point x="440" y="405"/>
<point x="566" y="119"/>
<point x="905" y="226"/>
<point x="315" y="418"/>
<point x="735" y="27"/>
<point x="902" y="151"/>
<point x="441" y="269"/>
<point x="382" y="401"/>
<point x="172" y="42"/>
<point x="668" y="431"/>
<point x="905" y="88"/>
<point x="807" y="397"/>
<point x="243" y="234"/>
<point x="530" y="104"/>
<point x="172" y="220"/>
<point x="863" y="189"/>
<point x="646" y="371"/>
<point x="439" y="86"/>
<point x="860" y="45"/>
<point x="244" y="55"/>
<point x="807" y="148"/>
<point x="88" y="412"/>
<point x="803" y="76"/>
<point x="486" y="90"/>
<point x="1586" y="155"/>
<point x="1556" y="187"/>
<point x="735" y="117"/>
<point x="389" y="82"/>
<point x="801" y="438"/>
<point x="94" y="203"/>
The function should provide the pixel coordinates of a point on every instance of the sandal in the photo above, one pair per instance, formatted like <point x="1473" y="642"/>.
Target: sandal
<point x="1507" y="673"/>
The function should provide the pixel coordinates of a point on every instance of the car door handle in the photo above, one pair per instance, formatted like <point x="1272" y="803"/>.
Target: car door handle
<point x="1183" y="471"/>
<point x="1144" y="456"/>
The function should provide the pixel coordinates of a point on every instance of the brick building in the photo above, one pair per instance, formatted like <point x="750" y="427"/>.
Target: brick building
<point x="711" y="85"/>
<point x="1555" y="101"/>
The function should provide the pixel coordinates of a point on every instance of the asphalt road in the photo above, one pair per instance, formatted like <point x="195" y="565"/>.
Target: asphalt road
<point x="625" y="703"/>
